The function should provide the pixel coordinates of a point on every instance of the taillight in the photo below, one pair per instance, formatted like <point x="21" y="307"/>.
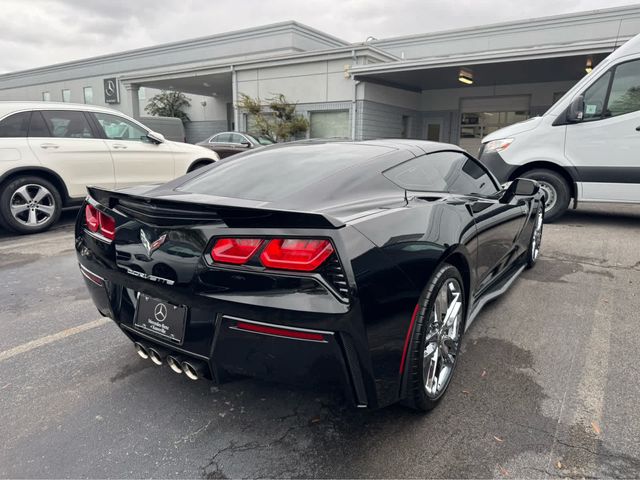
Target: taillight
<point x="91" y="218"/>
<point x="235" y="250"/>
<point x="99" y="222"/>
<point x="107" y="225"/>
<point x="302" y="255"/>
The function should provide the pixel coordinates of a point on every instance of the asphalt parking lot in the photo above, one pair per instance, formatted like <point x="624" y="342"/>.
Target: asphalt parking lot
<point x="548" y="383"/>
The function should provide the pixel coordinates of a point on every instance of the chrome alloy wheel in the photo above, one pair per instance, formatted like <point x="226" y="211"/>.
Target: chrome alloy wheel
<point x="536" y="241"/>
<point x="32" y="205"/>
<point x="443" y="338"/>
<point x="550" y="195"/>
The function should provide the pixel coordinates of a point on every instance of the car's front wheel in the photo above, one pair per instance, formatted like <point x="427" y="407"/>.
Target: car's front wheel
<point x="437" y="336"/>
<point x="30" y="204"/>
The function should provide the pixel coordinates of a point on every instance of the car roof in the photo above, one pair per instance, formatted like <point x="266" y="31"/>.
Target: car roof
<point x="7" y="107"/>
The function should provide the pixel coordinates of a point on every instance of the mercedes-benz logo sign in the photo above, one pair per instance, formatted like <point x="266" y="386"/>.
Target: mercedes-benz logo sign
<point x="110" y="89"/>
<point x="160" y="312"/>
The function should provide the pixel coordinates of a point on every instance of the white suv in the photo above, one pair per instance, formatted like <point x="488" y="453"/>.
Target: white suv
<point x="50" y="152"/>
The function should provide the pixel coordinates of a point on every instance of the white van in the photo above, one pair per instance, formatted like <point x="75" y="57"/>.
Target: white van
<point x="50" y="152"/>
<point x="171" y="128"/>
<point x="586" y="147"/>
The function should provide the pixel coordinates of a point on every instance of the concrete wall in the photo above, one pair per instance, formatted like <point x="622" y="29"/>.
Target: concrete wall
<point x="260" y="42"/>
<point x="599" y="25"/>
<point x="312" y="82"/>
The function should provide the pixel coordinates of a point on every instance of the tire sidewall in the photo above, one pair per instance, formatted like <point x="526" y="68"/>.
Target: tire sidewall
<point x="559" y="184"/>
<point x="531" y="261"/>
<point x="8" y="189"/>
<point x="420" y="399"/>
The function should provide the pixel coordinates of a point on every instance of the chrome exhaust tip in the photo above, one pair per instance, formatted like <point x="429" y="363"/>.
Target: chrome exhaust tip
<point x="157" y="355"/>
<point x="174" y="364"/>
<point x="141" y="350"/>
<point x="193" y="369"/>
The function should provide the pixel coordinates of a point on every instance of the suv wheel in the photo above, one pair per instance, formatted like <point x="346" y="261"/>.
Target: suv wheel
<point x="30" y="204"/>
<point x="557" y="193"/>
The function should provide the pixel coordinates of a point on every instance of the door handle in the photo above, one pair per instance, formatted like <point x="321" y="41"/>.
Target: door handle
<point x="49" y="145"/>
<point x="638" y="128"/>
<point x="119" y="146"/>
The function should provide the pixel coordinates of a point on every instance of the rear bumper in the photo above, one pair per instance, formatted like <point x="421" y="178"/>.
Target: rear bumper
<point x="220" y="334"/>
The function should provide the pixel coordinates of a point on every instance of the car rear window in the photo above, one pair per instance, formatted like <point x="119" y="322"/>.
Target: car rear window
<point x="275" y="173"/>
<point x="452" y="172"/>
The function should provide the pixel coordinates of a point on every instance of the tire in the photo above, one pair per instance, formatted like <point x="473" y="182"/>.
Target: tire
<point x="533" y="252"/>
<point x="556" y="191"/>
<point x="447" y="341"/>
<point x="38" y="200"/>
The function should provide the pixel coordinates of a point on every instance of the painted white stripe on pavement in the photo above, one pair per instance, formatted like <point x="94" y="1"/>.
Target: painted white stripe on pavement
<point x="39" y="342"/>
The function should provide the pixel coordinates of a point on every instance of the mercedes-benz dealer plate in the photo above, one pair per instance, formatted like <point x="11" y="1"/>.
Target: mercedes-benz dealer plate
<point x="160" y="318"/>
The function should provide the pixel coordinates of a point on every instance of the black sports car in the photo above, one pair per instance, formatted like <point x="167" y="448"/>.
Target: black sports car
<point x="357" y="264"/>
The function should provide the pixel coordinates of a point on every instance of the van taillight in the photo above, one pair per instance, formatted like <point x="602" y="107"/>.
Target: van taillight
<point x="99" y="222"/>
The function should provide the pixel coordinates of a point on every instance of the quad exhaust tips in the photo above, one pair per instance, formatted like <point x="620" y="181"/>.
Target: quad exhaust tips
<point x="193" y="369"/>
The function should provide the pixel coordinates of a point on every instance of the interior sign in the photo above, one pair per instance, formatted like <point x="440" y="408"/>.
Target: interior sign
<point x="111" y="92"/>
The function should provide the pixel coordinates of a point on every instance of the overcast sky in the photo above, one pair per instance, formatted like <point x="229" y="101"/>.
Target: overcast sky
<point x="34" y="33"/>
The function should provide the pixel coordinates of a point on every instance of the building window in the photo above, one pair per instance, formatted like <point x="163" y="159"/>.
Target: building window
<point x="66" y="95"/>
<point x="330" y="124"/>
<point x="142" y="94"/>
<point x="46" y="96"/>
<point x="88" y="94"/>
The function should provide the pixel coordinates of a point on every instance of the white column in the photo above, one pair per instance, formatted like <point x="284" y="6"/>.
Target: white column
<point x="134" y="99"/>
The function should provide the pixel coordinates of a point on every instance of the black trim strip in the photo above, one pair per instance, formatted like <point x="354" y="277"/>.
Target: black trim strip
<point x="609" y="174"/>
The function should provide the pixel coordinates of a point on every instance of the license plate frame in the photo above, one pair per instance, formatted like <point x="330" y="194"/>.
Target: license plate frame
<point x="161" y="318"/>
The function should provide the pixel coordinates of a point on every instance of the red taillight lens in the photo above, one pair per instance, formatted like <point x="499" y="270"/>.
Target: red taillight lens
<point x="235" y="250"/>
<point x="303" y="255"/>
<point x="99" y="222"/>
<point x="107" y="226"/>
<point x="91" y="218"/>
<point x="280" y="332"/>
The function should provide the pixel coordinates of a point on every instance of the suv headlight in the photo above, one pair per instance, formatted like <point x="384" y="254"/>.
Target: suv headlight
<point x="497" y="145"/>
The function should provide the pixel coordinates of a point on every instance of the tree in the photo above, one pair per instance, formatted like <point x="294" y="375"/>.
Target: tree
<point x="169" y="104"/>
<point x="279" y="121"/>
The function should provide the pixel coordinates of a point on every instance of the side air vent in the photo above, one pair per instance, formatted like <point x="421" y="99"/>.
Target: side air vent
<point x="333" y="272"/>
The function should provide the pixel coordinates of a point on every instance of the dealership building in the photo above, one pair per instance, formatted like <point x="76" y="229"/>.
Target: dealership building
<point x="454" y="86"/>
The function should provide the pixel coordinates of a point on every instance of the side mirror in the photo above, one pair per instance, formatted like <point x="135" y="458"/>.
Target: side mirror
<point x="246" y="144"/>
<point x="575" y="112"/>
<point x="520" y="187"/>
<point x="156" y="137"/>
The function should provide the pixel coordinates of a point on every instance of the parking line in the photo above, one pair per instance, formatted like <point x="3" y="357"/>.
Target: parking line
<point x="39" y="342"/>
<point x="11" y="244"/>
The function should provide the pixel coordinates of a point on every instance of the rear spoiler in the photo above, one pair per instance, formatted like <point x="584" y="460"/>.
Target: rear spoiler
<point x="163" y="211"/>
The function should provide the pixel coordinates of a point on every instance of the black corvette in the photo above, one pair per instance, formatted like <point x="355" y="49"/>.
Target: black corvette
<point x="357" y="264"/>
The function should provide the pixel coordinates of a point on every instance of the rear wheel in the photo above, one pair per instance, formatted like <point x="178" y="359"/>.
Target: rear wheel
<point x="30" y="204"/>
<point x="557" y="192"/>
<point x="436" y="340"/>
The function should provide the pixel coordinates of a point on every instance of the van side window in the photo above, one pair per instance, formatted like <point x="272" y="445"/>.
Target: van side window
<point x="595" y="96"/>
<point x="625" y="89"/>
<point x="16" y="125"/>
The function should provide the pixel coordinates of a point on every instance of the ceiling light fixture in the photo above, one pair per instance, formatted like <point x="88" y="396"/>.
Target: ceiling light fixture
<point x="465" y="76"/>
<point x="589" y="65"/>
